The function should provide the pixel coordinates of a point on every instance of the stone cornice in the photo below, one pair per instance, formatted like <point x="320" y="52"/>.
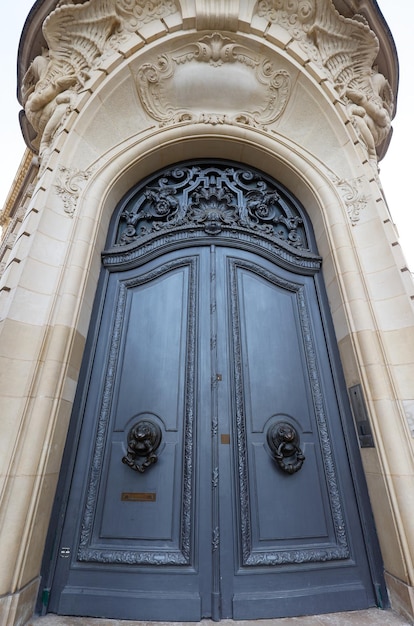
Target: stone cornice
<point x="16" y="188"/>
<point x="32" y="39"/>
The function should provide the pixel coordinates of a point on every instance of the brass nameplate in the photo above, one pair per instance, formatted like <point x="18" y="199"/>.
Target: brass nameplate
<point x="225" y="438"/>
<point x="128" y="496"/>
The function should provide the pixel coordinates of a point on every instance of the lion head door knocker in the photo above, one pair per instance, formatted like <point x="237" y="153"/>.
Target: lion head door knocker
<point x="283" y="440"/>
<point x="144" y="439"/>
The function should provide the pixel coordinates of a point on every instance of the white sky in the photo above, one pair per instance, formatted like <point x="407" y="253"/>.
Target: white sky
<point x="396" y="174"/>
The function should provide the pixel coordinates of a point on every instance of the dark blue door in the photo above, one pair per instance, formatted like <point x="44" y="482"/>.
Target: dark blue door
<point x="210" y="471"/>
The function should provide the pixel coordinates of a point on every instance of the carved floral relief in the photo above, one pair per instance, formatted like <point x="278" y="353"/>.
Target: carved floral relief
<point x="354" y="198"/>
<point x="69" y="186"/>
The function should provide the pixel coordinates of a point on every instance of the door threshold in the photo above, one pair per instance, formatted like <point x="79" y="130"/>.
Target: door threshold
<point x="369" y="617"/>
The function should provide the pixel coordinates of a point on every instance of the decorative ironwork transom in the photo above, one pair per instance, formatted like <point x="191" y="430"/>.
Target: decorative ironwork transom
<point x="212" y="198"/>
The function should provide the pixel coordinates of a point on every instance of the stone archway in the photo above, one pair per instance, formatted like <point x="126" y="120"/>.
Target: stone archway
<point x="210" y="343"/>
<point x="108" y="129"/>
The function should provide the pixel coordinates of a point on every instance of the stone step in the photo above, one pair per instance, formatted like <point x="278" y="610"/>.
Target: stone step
<point x="371" y="617"/>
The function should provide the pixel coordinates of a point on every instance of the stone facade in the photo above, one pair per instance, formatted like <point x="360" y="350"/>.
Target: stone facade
<point x="113" y="91"/>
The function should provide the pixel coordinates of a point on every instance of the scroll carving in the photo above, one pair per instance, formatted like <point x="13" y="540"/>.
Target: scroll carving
<point x="80" y="35"/>
<point x="69" y="186"/>
<point x="346" y="49"/>
<point x="135" y="14"/>
<point x="163" y="85"/>
<point x="212" y="198"/>
<point x="353" y="196"/>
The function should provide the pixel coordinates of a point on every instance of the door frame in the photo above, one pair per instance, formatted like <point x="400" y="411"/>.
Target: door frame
<point x="306" y="263"/>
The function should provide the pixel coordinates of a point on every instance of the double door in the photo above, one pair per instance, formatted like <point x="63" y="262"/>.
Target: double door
<point x="209" y="473"/>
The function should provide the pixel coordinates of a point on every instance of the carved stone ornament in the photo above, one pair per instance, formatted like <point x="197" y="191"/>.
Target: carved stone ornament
<point x="135" y="13"/>
<point x="212" y="198"/>
<point x="173" y="89"/>
<point x="69" y="186"/>
<point x="78" y="37"/>
<point x="353" y="196"/>
<point x="346" y="49"/>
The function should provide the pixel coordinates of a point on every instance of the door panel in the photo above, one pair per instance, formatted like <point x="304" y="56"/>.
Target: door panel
<point x="292" y="523"/>
<point x="269" y="336"/>
<point x="213" y="347"/>
<point x="152" y="353"/>
<point x="292" y="535"/>
<point x="131" y="535"/>
<point x="275" y="384"/>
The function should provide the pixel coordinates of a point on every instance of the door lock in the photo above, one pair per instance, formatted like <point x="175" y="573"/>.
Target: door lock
<point x="64" y="553"/>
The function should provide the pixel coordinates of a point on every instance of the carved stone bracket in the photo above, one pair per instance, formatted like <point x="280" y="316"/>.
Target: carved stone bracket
<point x="346" y="50"/>
<point x="68" y="187"/>
<point x="173" y="88"/>
<point x="78" y="38"/>
<point x="352" y="194"/>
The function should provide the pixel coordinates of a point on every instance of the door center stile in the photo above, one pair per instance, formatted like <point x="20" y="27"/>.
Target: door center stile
<point x="215" y="377"/>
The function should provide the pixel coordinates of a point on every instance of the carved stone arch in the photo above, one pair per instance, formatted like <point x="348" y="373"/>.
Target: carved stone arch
<point x="174" y="196"/>
<point x="97" y="146"/>
<point x="113" y="178"/>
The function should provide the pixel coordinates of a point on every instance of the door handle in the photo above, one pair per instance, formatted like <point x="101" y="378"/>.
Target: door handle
<point x="143" y="440"/>
<point x="283" y="441"/>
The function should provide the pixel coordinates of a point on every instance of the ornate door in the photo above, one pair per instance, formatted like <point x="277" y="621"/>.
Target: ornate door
<point x="209" y="469"/>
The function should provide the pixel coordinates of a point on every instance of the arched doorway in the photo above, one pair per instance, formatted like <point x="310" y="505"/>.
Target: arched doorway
<point x="210" y="466"/>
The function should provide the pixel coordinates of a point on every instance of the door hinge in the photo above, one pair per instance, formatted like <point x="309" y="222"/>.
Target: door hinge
<point x="378" y="593"/>
<point x="45" y="596"/>
<point x="64" y="553"/>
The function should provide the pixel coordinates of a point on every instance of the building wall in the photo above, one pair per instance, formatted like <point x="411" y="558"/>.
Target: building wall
<point x="197" y="80"/>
